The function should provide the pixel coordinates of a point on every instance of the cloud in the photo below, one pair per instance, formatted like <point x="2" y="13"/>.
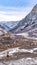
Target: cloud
<point x="13" y="14"/>
<point x="11" y="17"/>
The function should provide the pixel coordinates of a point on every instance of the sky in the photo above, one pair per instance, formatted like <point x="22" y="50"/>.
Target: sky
<point x="15" y="10"/>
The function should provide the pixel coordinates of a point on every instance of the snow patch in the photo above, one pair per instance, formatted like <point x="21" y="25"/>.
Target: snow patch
<point x="23" y="34"/>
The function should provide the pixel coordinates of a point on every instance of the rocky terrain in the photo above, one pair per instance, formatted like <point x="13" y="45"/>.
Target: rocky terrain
<point x="18" y="42"/>
<point x="15" y="49"/>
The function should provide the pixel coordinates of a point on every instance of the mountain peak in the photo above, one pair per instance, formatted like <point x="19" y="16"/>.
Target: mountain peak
<point x="34" y="10"/>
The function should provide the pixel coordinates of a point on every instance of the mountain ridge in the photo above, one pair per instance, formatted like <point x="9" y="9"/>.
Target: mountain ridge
<point x="27" y="24"/>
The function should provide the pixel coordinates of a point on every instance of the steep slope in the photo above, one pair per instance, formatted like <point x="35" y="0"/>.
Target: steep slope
<point x="28" y="24"/>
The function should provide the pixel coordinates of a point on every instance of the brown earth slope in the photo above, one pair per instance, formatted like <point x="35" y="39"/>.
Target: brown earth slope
<point x="9" y="40"/>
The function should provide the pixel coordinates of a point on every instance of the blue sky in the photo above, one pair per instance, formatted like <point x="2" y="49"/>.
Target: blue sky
<point x="17" y="3"/>
<point x="15" y="9"/>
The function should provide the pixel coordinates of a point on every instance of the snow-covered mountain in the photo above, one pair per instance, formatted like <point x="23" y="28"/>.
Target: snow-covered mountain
<point x="6" y="26"/>
<point x="26" y="25"/>
<point x="29" y="22"/>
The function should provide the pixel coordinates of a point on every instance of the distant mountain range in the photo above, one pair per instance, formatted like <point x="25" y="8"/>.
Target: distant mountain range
<point x="7" y="26"/>
<point x="26" y="25"/>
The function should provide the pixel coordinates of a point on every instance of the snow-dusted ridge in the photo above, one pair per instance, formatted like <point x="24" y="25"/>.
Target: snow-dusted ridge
<point x="26" y="35"/>
<point x="12" y="51"/>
